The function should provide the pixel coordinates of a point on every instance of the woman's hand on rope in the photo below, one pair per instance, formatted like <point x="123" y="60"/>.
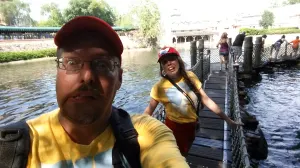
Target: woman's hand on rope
<point x="235" y="124"/>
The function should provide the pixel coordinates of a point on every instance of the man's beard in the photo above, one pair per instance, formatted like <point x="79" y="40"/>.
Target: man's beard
<point x="81" y="117"/>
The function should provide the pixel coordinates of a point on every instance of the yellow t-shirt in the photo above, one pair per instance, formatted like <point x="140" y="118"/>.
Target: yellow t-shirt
<point x="178" y="107"/>
<point x="52" y="147"/>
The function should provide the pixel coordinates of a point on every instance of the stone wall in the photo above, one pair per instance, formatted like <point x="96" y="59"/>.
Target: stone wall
<point x="26" y="45"/>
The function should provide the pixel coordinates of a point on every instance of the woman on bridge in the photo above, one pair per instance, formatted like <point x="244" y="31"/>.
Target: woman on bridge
<point x="181" y="93"/>
<point x="224" y="50"/>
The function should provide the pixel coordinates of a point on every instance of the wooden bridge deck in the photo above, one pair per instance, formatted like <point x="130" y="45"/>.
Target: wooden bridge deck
<point x="208" y="148"/>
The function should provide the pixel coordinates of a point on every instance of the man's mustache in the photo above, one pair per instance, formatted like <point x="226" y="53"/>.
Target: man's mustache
<point x="95" y="90"/>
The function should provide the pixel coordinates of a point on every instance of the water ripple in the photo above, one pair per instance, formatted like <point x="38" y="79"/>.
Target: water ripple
<point x="275" y="101"/>
<point x="28" y="90"/>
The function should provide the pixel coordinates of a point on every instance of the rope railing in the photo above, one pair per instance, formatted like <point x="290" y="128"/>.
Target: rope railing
<point x="270" y="53"/>
<point x="240" y="156"/>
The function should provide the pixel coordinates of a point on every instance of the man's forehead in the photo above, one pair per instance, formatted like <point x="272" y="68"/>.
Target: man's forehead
<point x="86" y="40"/>
<point x="87" y="50"/>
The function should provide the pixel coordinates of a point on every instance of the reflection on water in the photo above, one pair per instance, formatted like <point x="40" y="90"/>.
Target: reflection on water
<point x="28" y="90"/>
<point x="275" y="101"/>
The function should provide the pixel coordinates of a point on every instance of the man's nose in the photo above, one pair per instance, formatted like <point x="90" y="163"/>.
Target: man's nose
<point x="87" y="73"/>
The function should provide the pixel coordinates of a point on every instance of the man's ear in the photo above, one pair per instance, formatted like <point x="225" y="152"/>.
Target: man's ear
<point x="120" y="78"/>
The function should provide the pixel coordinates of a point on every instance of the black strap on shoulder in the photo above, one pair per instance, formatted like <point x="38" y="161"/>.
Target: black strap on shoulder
<point x="14" y="145"/>
<point x="187" y="96"/>
<point x="127" y="148"/>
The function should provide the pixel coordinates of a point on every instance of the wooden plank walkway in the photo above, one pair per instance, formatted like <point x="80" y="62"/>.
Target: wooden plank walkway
<point x="208" y="148"/>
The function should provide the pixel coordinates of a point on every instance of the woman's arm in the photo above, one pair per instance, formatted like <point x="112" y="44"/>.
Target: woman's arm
<point x="151" y="107"/>
<point x="218" y="43"/>
<point x="215" y="108"/>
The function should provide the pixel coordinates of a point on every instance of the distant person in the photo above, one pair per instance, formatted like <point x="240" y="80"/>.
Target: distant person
<point x="181" y="94"/>
<point x="237" y="45"/>
<point x="224" y="50"/>
<point x="263" y="42"/>
<point x="295" y="45"/>
<point x="86" y="131"/>
<point x="277" y="45"/>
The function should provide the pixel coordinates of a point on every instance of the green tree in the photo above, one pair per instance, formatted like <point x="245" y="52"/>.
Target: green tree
<point x="125" y="20"/>
<point x="16" y="13"/>
<point x="54" y="15"/>
<point x="147" y="18"/>
<point x="267" y="19"/>
<point x="90" y="8"/>
<point x="291" y="2"/>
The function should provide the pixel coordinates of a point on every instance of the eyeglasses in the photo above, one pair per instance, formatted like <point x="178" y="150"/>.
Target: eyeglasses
<point x="102" y="66"/>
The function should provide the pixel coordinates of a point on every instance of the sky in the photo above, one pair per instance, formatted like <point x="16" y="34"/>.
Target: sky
<point x="204" y="9"/>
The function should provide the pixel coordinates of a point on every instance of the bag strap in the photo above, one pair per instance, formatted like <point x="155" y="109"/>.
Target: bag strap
<point x="126" y="140"/>
<point x="14" y="145"/>
<point x="186" y="95"/>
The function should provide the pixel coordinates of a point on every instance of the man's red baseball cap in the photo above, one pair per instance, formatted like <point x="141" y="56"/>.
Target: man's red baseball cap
<point x="93" y="24"/>
<point x="167" y="51"/>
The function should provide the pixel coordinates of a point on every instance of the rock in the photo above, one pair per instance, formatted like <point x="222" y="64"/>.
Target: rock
<point x="257" y="145"/>
<point x="250" y="122"/>
<point x="241" y="84"/>
<point x="242" y="93"/>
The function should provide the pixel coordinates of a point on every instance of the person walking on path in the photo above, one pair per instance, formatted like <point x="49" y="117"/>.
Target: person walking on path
<point x="224" y="50"/>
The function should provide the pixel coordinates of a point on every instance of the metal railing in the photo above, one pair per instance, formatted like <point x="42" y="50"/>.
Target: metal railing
<point x="240" y="156"/>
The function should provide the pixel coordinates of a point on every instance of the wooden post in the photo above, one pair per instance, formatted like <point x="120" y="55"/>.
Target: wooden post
<point x="236" y="70"/>
<point x="201" y="53"/>
<point x="208" y="53"/>
<point x="230" y="45"/>
<point x="257" y="53"/>
<point x="248" y="51"/>
<point x="230" y="42"/>
<point x="285" y="52"/>
<point x="193" y="52"/>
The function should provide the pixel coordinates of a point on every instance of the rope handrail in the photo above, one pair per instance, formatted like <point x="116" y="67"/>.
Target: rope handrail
<point x="240" y="156"/>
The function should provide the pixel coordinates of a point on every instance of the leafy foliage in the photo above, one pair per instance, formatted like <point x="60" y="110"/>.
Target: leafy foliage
<point x="291" y="2"/>
<point x="147" y="17"/>
<point x="267" y="19"/>
<point x="16" y="13"/>
<point x="125" y="20"/>
<point x="284" y="30"/>
<point x="26" y="55"/>
<point x="55" y="17"/>
<point x="92" y="8"/>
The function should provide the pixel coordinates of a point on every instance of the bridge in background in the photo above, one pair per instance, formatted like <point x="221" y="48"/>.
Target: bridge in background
<point x="10" y="32"/>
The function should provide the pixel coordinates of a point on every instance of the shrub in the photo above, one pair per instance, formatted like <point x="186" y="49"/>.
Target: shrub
<point x="282" y="30"/>
<point x="26" y="55"/>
